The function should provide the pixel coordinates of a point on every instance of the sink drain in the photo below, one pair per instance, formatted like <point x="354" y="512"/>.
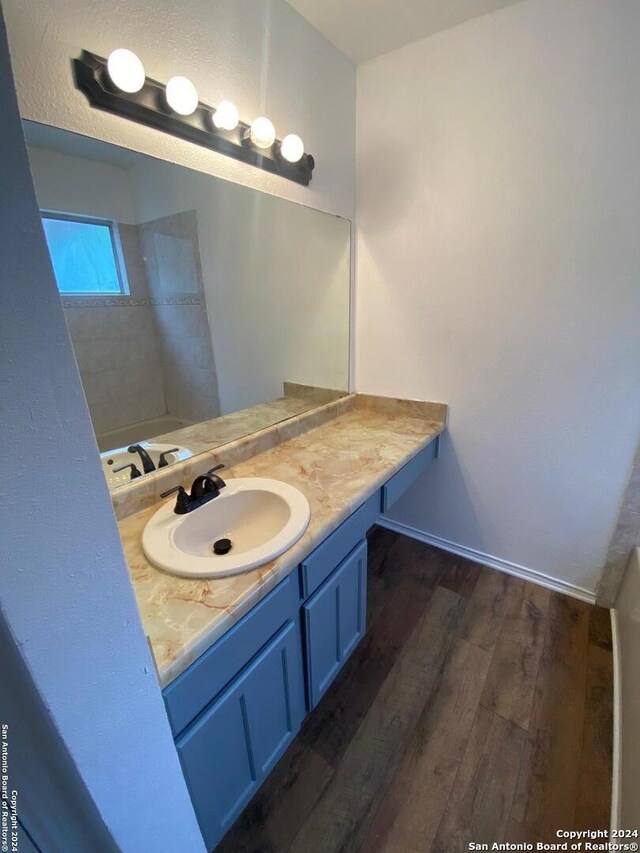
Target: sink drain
<point x="222" y="546"/>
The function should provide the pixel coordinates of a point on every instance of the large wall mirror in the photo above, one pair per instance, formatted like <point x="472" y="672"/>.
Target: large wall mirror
<point x="199" y="310"/>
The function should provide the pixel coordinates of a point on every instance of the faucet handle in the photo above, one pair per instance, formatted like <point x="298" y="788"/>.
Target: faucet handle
<point x="162" y="460"/>
<point x="182" y="501"/>
<point x="134" y="471"/>
<point x="213" y="477"/>
<point x="178" y="489"/>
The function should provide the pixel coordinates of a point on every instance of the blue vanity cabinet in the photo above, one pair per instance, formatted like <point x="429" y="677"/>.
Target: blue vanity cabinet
<point x="231" y="747"/>
<point x="408" y="474"/>
<point x="334" y="621"/>
<point x="325" y="559"/>
<point x="235" y="710"/>
<point x="187" y="695"/>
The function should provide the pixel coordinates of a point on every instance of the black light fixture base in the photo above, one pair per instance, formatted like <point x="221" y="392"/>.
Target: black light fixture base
<point x="149" y="107"/>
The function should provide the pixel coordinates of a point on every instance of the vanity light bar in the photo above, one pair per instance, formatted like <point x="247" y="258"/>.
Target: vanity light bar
<point x="119" y="85"/>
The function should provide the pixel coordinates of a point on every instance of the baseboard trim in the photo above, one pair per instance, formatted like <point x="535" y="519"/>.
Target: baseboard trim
<point x="616" y="775"/>
<point x="492" y="562"/>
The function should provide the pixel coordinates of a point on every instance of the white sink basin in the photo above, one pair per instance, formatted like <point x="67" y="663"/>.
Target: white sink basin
<point x="261" y="517"/>
<point x="112" y="459"/>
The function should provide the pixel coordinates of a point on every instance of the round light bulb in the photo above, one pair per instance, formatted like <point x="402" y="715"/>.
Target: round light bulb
<point x="125" y="70"/>
<point x="292" y="148"/>
<point x="182" y="95"/>
<point x="262" y="133"/>
<point x="225" y="116"/>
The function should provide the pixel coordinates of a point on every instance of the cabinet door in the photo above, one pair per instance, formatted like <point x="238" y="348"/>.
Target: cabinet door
<point x="230" y="748"/>
<point x="334" y="621"/>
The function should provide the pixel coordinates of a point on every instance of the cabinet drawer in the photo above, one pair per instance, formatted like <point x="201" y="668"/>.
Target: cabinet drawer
<point x="321" y="562"/>
<point x="334" y="621"/>
<point x="233" y="745"/>
<point x="408" y="474"/>
<point x="196" y="687"/>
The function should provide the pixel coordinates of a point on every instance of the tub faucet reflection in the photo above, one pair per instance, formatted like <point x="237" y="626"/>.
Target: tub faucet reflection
<point x="147" y="461"/>
<point x="163" y="461"/>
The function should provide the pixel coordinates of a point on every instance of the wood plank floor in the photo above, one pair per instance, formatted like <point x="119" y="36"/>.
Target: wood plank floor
<point x="478" y="707"/>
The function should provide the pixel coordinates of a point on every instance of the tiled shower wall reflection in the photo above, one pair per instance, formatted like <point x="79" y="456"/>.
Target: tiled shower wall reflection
<point x="148" y="354"/>
<point x="117" y="349"/>
<point x="174" y="275"/>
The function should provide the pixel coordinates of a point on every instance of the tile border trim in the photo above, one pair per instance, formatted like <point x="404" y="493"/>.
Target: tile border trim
<point x="88" y="300"/>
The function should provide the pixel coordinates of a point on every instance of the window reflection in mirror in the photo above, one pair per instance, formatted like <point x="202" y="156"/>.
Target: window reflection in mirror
<point x="199" y="310"/>
<point x="84" y="253"/>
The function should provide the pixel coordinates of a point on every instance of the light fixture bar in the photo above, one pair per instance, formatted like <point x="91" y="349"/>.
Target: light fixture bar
<point x="149" y="106"/>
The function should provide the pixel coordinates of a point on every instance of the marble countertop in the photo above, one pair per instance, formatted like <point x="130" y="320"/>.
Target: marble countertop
<point x="337" y="465"/>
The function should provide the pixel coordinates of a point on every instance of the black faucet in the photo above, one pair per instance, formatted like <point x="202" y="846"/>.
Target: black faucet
<point x="147" y="461"/>
<point x="134" y="471"/>
<point x="163" y="461"/>
<point x="204" y="488"/>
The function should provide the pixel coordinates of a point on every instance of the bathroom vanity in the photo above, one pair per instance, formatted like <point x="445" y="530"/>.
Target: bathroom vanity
<point x="242" y="660"/>
<point x="210" y="324"/>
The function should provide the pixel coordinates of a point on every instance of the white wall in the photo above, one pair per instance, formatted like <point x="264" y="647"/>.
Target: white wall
<point x="77" y="185"/>
<point x="262" y="55"/>
<point x="66" y="597"/>
<point x="498" y="270"/>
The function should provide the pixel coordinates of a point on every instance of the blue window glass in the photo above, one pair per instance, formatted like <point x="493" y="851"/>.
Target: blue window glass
<point x="83" y="255"/>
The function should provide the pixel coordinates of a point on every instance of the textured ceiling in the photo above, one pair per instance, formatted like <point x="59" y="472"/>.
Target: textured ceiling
<point x="364" y="29"/>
